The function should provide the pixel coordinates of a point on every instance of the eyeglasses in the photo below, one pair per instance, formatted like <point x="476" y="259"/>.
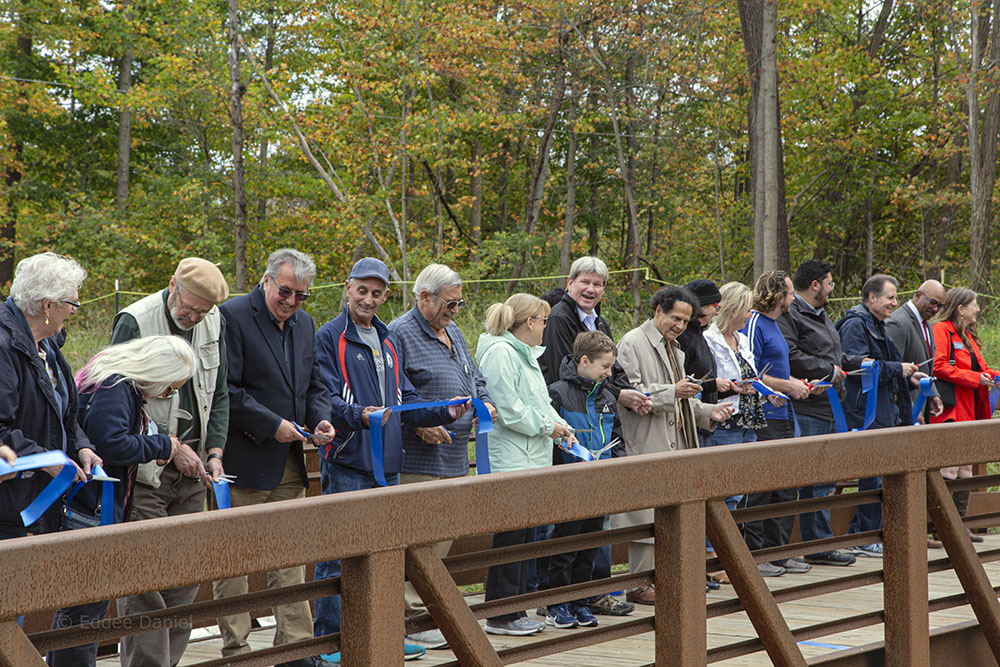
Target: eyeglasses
<point x="285" y="292"/>
<point x="543" y="319"/>
<point x="450" y="305"/>
<point x="75" y="305"/>
<point x="188" y="309"/>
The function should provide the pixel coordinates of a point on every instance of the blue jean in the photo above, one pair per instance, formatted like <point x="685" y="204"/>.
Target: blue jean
<point x="733" y="435"/>
<point x="868" y="516"/>
<point x="77" y="656"/>
<point x="338" y="479"/>
<point x="815" y="525"/>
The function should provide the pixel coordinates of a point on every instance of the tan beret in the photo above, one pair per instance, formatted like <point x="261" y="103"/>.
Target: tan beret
<point x="203" y="279"/>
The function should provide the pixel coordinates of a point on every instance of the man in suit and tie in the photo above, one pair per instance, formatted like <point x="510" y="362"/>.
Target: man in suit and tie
<point x="275" y="393"/>
<point x="910" y="329"/>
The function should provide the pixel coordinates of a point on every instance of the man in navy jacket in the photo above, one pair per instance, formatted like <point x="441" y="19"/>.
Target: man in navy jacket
<point x="275" y="393"/>
<point x="362" y="368"/>
<point x="863" y="336"/>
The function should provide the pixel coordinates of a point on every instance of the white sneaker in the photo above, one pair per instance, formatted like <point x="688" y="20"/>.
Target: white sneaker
<point x="431" y="639"/>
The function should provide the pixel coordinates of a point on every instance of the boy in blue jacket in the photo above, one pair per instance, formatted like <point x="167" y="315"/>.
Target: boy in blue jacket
<point x="583" y="398"/>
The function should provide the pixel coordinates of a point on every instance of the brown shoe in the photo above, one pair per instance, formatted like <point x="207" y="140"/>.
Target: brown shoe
<point x="642" y="595"/>
<point x="934" y="543"/>
<point x="719" y="577"/>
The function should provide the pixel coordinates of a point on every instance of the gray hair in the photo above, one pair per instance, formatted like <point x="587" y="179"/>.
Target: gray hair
<point x="434" y="278"/>
<point x="302" y="265"/>
<point x="45" y="276"/>
<point x="152" y="364"/>
<point x="588" y="264"/>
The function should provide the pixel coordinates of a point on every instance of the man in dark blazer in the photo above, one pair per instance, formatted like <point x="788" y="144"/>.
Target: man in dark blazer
<point x="910" y="329"/>
<point x="275" y="394"/>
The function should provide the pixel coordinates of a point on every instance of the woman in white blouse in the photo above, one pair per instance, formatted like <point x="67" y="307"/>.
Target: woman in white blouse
<point x="734" y="361"/>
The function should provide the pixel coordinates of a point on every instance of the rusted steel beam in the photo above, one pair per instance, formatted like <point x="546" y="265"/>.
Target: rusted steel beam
<point x="749" y="584"/>
<point x="212" y="545"/>
<point x="793" y="507"/>
<point x="959" y="645"/>
<point x="188" y="615"/>
<point x="904" y="534"/>
<point x="371" y="615"/>
<point x="476" y="560"/>
<point x="531" y="600"/>
<point x="448" y="608"/>
<point x="15" y="649"/>
<point x="679" y="559"/>
<point x="965" y="560"/>
<point x="571" y="641"/>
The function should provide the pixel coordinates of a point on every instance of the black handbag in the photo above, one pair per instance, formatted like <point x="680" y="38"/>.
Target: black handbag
<point x="73" y="520"/>
<point x="946" y="390"/>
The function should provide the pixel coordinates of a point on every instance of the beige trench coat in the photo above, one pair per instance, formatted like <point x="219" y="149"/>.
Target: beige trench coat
<point x="643" y="352"/>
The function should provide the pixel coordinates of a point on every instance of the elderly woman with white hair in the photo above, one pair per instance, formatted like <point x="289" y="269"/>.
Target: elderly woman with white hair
<point x="114" y="387"/>
<point x="38" y="401"/>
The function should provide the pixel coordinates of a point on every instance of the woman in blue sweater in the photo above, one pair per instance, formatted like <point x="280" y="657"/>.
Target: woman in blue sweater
<point x="113" y="388"/>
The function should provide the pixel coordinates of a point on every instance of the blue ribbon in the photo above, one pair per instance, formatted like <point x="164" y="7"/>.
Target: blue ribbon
<point x="925" y="392"/>
<point x="835" y="407"/>
<point x="869" y="385"/>
<point x="54" y="490"/>
<point x="579" y="451"/>
<point x="994" y="394"/>
<point x="482" y="443"/>
<point x="107" y="496"/>
<point x="764" y="390"/>
<point x="222" y="498"/>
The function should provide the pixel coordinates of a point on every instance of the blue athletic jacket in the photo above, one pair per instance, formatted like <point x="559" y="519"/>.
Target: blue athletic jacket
<point x="585" y="405"/>
<point x="347" y="366"/>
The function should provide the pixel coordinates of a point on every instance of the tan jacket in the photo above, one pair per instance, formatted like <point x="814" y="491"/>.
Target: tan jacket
<point x="643" y="352"/>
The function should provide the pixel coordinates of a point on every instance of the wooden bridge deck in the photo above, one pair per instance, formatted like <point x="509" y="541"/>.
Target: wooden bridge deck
<point x="638" y="650"/>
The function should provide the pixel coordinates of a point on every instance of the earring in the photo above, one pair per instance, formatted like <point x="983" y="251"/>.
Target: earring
<point x="46" y="319"/>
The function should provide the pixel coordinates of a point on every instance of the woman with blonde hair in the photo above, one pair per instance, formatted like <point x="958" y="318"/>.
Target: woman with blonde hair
<point x="524" y="431"/>
<point x="963" y="378"/>
<point x="113" y="388"/>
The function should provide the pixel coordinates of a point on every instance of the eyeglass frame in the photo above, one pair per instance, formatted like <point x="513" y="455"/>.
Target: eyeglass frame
<point x="75" y="305"/>
<point x="285" y="292"/>
<point x="450" y="305"/>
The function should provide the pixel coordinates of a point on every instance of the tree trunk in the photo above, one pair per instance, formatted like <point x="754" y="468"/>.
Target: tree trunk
<point x="476" y="190"/>
<point x="767" y="172"/>
<point x="566" y="251"/>
<point x="124" y="123"/>
<point x="633" y="247"/>
<point x="236" y="90"/>
<point x="263" y="156"/>
<point x="983" y="162"/>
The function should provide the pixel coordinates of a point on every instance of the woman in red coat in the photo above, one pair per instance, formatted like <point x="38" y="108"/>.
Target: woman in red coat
<point x="958" y="361"/>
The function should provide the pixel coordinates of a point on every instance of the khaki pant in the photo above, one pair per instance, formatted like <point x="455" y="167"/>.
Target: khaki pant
<point x="164" y="647"/>
<point x="412" y="604"/>
<point x="294" y="621"/>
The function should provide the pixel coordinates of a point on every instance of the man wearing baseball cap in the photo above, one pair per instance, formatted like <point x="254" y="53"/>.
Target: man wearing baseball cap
<point x="198" y="414"/>
<point x="362" y="367"/>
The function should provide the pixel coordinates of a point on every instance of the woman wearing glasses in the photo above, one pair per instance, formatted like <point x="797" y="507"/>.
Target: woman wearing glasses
<point x="114" y="386"/>
<point x="963" y="378"/>
<point x="525" y="428"/>
<point x="38" y="401"/>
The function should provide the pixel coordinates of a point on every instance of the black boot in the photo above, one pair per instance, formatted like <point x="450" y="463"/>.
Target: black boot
<point x="961" y="499"/>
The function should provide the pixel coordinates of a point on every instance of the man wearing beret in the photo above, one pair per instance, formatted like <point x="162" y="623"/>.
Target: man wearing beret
<point x="198" y="414"/>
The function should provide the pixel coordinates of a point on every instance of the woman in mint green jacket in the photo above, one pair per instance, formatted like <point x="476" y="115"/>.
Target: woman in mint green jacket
<point x="523" y="433"/>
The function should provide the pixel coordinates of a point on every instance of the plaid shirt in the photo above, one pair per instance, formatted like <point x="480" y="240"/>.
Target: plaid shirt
<point x="437" y="373"/>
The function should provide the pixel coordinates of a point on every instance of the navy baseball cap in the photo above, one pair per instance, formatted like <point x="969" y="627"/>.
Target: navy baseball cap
<point x="370" y="267"/>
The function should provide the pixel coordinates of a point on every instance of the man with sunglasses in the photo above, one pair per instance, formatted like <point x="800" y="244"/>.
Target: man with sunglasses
<point x="436" y="359"/>
<point x="364" y="370"/>
<point x="277" y="401"/>
<point x="198" y="414"/>
<point x="910" y="329"/>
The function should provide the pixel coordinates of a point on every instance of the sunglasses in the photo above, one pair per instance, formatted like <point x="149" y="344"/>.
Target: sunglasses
<point x="285" y="292"/>
<point x="450" y="305"/>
